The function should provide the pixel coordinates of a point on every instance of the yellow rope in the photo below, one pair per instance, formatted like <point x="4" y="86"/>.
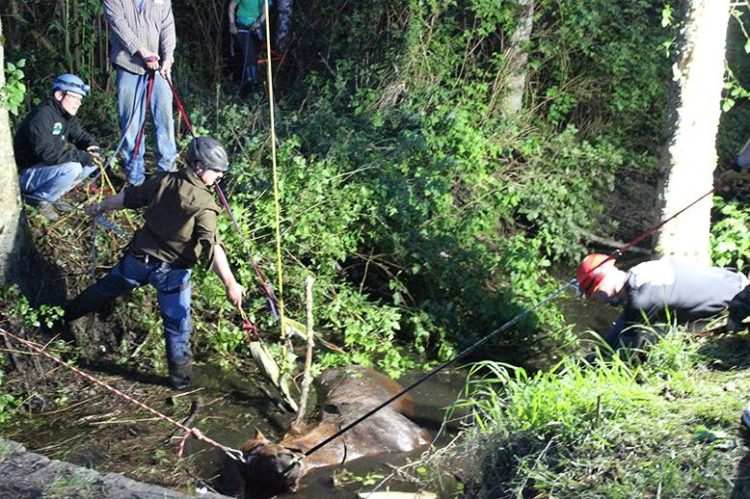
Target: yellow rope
<point x="277" y="204"/>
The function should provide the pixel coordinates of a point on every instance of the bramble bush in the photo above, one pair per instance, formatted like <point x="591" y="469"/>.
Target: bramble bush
<point x="427" y="216"/>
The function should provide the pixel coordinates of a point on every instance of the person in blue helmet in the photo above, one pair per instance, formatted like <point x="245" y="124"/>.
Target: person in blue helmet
<point x="53" y="152"/>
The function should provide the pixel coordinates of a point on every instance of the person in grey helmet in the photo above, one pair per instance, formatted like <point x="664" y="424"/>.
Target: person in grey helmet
<point x="180" y="226"/>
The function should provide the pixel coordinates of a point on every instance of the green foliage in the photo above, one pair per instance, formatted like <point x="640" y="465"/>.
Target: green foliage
<point x="12" y="93"/>
<point x="562" y="430"/>
<point x="602" y="63"/>
<point x="730" y="240"/>
<point x="426" y="215"/>
<point x="22" y="311"/>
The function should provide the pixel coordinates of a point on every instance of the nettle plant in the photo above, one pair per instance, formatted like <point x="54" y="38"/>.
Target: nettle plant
<point x="730" y="240"/>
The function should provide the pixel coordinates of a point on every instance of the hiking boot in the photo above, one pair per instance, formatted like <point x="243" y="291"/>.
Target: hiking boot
<point x="180" y="374"/>
<point x="746" y="416"/>
<point x="47" y="210"/>
<point x="63" y="206"/>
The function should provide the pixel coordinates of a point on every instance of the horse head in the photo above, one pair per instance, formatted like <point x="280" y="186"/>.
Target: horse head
<point x="271" y="468"/>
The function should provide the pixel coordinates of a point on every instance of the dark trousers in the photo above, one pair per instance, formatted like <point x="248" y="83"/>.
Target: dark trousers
<point x="249" y="44"/>
<point x="174" y="296"/>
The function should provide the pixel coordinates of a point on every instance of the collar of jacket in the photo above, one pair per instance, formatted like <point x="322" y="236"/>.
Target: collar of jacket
<point x="58" y="107"/>
<point x="190" y="175"/>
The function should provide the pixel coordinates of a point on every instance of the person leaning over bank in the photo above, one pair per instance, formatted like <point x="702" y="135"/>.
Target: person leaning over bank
<point x="180" y="227"/>
<point x="656" y="292"/>
<point x="53" y="152"/>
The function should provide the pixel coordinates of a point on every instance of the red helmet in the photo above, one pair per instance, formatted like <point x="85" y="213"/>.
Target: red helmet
<point x="591" y="273"/>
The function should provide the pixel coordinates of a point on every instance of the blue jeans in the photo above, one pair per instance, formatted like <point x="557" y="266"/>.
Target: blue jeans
<point x="131" y="107"/>
<point x="174" y="294"/>
<point x="50" y="182"/>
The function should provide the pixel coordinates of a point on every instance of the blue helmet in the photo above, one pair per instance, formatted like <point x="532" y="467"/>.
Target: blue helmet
<point x="68" y="82"/>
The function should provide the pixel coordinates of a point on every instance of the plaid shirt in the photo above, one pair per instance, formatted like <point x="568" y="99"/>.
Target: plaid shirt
<point x="130" y="29"/>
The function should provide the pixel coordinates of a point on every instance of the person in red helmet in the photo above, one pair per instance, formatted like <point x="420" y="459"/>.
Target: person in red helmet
<point x="656" y="292"/>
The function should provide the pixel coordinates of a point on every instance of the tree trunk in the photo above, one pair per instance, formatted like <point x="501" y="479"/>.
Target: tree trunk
<point x="517" y="58"/>
<point x="11" y="215"/>
<point x="689" y="155"/>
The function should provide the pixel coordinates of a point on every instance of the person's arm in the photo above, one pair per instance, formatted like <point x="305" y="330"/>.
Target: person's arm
<point x="115" y="13"/>
<point x="167" y="43"/>
<point x="116" y="202"/>
<point x="220" y="266"/>
<point x="615" y="330"/>
<point x="48" y="147"/>
<point x="80" y="137"/>
<point x="230" y="14"/>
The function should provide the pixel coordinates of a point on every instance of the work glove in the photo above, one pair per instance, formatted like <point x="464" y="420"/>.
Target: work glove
<point x="232" y="29"/>
<point x="95" y="153"/>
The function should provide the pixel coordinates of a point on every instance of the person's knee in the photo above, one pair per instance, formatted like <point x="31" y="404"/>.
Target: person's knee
<point x="71" y="171"/>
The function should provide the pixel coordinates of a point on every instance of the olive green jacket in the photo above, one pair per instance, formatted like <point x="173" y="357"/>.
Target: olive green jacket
<point x="180" y="216"/>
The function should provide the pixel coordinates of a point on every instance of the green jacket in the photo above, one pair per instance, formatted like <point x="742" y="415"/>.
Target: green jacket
<point x="180" y="215"/>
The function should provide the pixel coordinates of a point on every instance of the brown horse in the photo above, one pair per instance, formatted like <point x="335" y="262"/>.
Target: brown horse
<point x="348" y="393"/>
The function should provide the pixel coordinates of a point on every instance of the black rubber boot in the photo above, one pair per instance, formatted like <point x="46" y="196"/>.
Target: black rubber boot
<point x="180" y="374"/>
<point x="90" y="300"/>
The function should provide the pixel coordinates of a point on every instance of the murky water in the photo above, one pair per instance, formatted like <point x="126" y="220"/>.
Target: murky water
<point x="99" y="430"/>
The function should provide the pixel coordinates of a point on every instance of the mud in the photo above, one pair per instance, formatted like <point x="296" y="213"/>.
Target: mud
<point x="87" y="426"/>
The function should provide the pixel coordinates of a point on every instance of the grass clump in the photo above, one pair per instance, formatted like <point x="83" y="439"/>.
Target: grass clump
<point x="665" y="426"/>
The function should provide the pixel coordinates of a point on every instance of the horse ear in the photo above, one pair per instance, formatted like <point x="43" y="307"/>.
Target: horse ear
<point x="296" y="428"/>
<point x="253" y="442"/>
<point x="258" y="434"/>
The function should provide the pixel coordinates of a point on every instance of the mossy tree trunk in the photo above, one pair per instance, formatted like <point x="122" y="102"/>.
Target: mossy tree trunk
<point x="11" y="216"/>
<point x="689" y="155"/>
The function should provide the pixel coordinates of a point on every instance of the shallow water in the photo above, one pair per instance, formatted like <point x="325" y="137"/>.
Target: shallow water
<point x="106" y="433"/>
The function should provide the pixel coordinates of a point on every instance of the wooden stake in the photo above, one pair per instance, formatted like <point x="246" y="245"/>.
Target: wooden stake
<point x="306" y="378"/>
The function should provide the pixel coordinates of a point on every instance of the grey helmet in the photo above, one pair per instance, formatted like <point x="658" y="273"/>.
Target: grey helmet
<point x="208" y="151"/>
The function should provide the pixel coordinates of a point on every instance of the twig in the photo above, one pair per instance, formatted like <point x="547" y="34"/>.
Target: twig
<point x="125" y="421"/>
<point x="11" y="351"/>
<point x="194" y="406"/>
<point x="306" y="378"/>
<point x="68" y="407"/>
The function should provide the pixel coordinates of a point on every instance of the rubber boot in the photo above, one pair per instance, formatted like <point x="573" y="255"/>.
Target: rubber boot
<point x="90" y="300"/>
<point x="180" y="374"/>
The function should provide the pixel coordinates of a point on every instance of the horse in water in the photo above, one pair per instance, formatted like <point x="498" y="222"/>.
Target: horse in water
<point x="347" y="394"/>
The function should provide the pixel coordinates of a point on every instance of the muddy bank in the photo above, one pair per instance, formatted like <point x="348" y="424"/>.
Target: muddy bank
<point x="27" y="475"/>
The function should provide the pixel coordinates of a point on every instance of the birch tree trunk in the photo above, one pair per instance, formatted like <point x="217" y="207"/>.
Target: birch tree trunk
<point x="11" y="215"/>
<point x="689" y="155"/>
<point x="517" y="58"/>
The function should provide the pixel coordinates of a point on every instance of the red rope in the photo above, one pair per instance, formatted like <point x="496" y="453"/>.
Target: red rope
<point x="657" y="226"/>
<point x="267" y="290"/>
<point x="275" y="56"/>
<point x="139" y="137"/>
<point x="181" y="108"/>
<point x="617" y="253"/>
<point x="232" y="453"/>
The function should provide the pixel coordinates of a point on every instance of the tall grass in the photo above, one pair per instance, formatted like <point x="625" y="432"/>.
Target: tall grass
<point x="573" y="430"/>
